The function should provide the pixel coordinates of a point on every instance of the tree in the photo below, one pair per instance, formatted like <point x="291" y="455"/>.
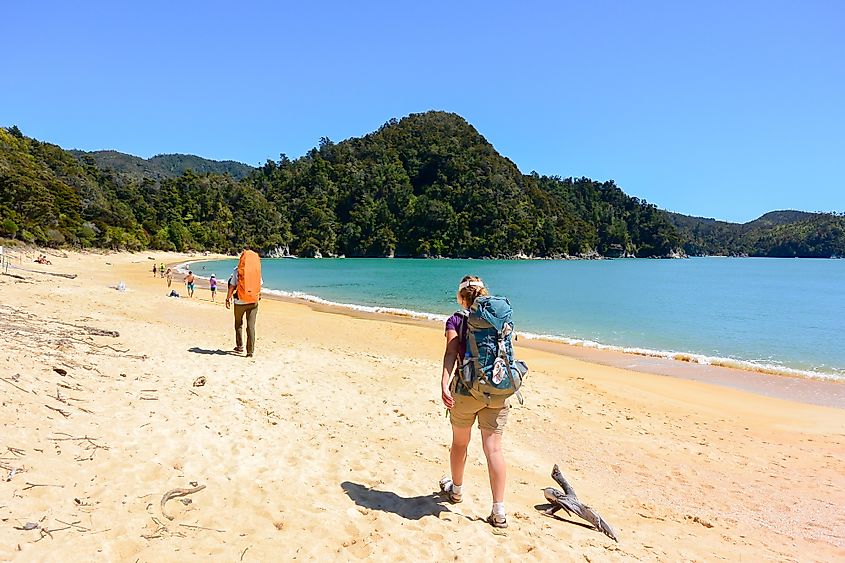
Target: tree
<point x="9" y="228"/>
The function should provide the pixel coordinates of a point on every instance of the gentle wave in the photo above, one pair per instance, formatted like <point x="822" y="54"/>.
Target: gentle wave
<point x="408" y="313"/>
<point x="734" y="363"/>
<point x="746" y="365"/>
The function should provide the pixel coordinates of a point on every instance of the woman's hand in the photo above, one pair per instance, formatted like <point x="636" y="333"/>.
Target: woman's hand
<point x="446" y="396"/>
<point x="450" y="356"/>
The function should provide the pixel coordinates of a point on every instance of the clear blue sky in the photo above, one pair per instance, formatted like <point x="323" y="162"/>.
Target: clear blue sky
<point x="718" y="109"/>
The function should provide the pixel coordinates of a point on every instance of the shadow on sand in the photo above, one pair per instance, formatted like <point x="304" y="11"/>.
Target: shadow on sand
<point x="544" y="507"/>
<point x="217" y="352"/>
<point x="411" y="508"/>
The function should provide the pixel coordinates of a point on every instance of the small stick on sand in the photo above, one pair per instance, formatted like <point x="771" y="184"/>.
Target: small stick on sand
<point x="173" y="493"/>
<point x="202" y="528"/>
<point x="33" y="485"/>
<point x="60" y="411"/>
<point x="13" y="385"/>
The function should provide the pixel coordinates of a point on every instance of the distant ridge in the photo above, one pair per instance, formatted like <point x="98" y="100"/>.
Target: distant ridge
<point x="164" y="166"/>
<point x="777" y="234"/>
<point x="775" y="218"/>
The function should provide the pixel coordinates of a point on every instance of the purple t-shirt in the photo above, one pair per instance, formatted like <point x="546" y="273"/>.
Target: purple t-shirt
<point x="456" y="322"/>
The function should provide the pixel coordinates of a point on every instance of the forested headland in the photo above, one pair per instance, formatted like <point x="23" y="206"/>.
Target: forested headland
<point x="426" y="185"/>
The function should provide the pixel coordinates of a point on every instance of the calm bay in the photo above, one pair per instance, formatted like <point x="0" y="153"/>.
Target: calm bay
<point x="780" y="315"/>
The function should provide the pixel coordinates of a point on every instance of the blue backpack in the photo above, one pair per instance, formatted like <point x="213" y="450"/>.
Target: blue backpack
<point x="489" y="369"/>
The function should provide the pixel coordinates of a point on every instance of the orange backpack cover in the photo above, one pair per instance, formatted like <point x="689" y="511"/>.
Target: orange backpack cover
<point x="249" y="277"/>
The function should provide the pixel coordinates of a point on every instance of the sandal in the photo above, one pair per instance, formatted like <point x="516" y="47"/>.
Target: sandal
<point x="497" y="521"/>
<point x="446" y="489"/>
<point x="239" y="349"/>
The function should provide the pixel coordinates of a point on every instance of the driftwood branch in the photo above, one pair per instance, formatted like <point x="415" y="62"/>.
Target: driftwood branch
<point x="33" y="485"/>
<point x="13" y="385"/>
<point x="173" y="493"/>
<point x="90" y="330"/>
<point x="561" y="480"/>
<point x="74" y="525"/>
<point x="60" y="411"/>
<point x="91" y="444"/>
<point x="202" y="528"/>
<point x="569" y="502"/>
<point x="57" y="274"/>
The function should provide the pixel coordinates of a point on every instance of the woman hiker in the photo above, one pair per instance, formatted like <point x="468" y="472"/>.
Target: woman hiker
<point x="464" y="409"/>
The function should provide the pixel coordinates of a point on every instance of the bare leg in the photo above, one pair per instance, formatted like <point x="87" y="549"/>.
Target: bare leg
<point x="458" y="452"/>
<point x="496" y="467"/>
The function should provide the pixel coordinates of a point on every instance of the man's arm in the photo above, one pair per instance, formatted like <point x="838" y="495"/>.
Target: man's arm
<point x="229" y="292"/>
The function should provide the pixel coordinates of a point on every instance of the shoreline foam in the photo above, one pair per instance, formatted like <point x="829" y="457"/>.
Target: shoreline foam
<point x="677" y="356"/>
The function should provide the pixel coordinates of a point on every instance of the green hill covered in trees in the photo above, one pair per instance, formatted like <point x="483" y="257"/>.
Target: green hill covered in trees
<point x="50" y="197"/>
<point x="780" y="234"/>
<point x="426" y="185"/>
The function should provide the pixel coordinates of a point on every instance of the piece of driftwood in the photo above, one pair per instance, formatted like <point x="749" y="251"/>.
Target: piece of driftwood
<point x="58" y="274"/>
<point x="90" y="330"/>
<point x="33" y="485"/>
<point x="13" y="385"/>
<point x="568" y="501"/>
<point x="98" y="331"/>
<point x="180" y="492"/>
<point x="202" y="528"/>
<point x="60" y="411"/>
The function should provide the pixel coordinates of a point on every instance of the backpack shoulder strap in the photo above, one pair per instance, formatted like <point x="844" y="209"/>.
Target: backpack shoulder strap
<point x="464" y="314"/>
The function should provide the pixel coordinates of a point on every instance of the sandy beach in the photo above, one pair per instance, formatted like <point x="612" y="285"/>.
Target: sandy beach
<point x="330" y="442"/>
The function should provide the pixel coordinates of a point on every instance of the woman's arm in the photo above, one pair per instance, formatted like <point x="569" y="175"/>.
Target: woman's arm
<point x="450" y="356"/>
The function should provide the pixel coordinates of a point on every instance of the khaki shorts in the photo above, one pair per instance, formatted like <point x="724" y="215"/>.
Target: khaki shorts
<point x="467" y="408"/>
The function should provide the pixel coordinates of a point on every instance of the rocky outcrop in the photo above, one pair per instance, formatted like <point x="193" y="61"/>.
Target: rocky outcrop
<point x="279" y="252"/>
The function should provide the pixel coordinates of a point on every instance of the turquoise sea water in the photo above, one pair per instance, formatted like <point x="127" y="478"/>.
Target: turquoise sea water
<point x="787" y="314"/>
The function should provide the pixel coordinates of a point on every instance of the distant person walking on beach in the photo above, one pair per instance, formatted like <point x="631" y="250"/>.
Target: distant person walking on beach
<point x="212" y="285"/>
<point x="161" y="269"/>
<point x="189" y="283"/>
<point x="169" y="276"/>
<point x="244" y="288"/>
<point x="154" y="270"/>
<point x="466" y="399"/>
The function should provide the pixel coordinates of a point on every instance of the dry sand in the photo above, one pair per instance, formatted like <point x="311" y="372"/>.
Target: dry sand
<point x="330" y="442"/>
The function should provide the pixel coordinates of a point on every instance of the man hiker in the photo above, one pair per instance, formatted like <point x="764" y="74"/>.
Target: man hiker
<point x="245" y="290"/>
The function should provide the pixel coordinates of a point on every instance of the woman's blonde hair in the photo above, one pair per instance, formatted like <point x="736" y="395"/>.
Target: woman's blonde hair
<point x="473" y="289"/>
